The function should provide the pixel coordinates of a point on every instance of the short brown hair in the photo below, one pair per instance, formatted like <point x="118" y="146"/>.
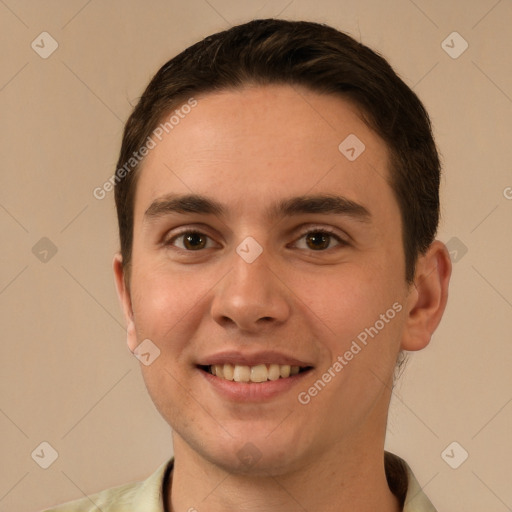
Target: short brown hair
<point x="317" y="57"/>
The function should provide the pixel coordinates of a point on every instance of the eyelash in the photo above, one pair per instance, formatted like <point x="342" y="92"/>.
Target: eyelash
<point x="322" y="231"/>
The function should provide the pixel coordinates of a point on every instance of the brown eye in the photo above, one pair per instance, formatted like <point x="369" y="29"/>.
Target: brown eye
<point x="318" y="240"/>
<point x="190" y="241"/>
<point x="194" y="241"/>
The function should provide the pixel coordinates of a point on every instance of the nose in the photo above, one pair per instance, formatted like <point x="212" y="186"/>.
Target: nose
<point x="251" y="297"/>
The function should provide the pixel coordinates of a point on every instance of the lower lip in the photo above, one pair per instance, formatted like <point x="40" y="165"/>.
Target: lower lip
<point x="254" y="391"/>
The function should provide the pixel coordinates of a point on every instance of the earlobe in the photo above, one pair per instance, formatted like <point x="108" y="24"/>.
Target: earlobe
<point x="131" y="336"/>
<point x="123" y="293"/>
<point x="428" y="296"/>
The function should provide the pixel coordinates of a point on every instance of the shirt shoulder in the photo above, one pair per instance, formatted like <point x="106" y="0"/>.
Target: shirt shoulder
<point x="404" y="485"/>
<point x="145" y="496"/>
<point x="109" y="500"/>
<point x="416" y="500"/>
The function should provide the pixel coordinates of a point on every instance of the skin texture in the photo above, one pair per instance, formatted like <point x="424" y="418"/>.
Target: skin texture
<point x="248" y="149"/>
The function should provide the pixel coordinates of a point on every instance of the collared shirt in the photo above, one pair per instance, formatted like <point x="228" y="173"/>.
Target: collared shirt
<point x="150" y="495"/>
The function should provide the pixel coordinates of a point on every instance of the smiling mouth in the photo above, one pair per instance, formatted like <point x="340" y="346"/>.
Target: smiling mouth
<point x="254" y="374"/>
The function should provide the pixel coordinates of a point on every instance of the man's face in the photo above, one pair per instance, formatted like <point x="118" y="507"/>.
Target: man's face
<point x="329" y="272"/>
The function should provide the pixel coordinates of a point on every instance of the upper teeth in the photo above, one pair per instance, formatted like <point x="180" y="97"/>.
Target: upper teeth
<point x="258" y="373"/>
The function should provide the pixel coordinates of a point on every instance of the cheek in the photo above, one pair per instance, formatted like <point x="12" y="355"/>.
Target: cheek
<point x="359" y="320"/>
<point x="168" y="307"/>
<point x="167" y="304"/>
<point x="346" y="301"/>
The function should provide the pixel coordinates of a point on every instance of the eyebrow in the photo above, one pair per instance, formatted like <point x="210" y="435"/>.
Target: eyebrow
<point x="309" y="204"/>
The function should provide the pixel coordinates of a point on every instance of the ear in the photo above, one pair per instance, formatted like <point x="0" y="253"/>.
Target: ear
<point x="427" y="297"/>
<point x="123" y="293"/>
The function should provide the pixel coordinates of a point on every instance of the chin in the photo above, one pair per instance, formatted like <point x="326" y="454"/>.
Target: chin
<point x="256" y="455"/>
<point x="250" y="461"/>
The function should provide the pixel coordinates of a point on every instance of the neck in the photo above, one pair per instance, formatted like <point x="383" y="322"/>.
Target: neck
<point x="342" y="480"/>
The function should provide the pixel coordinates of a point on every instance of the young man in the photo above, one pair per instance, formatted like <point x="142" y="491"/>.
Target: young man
<point x="277" y="198"/>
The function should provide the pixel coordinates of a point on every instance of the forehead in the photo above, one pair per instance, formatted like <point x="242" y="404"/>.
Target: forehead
<point x="252" y="146"/>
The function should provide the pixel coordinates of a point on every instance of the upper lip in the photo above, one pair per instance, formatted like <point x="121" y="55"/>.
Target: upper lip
<point x="252" y="359"/>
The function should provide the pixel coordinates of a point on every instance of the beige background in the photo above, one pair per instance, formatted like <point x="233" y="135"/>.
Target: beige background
<point x="67" y="377"/>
